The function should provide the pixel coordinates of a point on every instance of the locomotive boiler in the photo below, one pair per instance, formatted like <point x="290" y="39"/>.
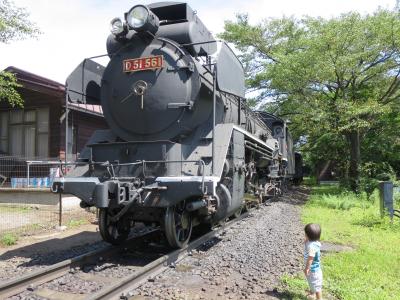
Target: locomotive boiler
<point x="183" y="149"/>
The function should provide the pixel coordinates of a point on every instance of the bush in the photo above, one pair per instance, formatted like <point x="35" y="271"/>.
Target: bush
<point x="368" y="185"/>
<point x="384" y="177"/>
<point x="380" y="171"/>
<point x="372" y="173"/>
<point x="396" y="199"/>
<point x="9" y="239"/>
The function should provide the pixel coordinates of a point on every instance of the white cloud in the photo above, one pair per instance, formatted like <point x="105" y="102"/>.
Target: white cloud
<point x="75" y="29"/>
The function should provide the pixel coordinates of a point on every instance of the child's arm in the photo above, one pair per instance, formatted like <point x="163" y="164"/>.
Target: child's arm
<point x="308" y="265"/>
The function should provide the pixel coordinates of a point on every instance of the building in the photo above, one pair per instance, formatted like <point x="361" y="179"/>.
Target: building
<point x="37" y="131"/>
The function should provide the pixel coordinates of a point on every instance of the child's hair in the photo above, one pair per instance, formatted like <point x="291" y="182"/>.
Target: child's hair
<point x="313" y="231"/>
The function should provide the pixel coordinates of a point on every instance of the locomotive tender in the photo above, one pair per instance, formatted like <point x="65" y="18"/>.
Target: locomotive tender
<point x="182" y="148"/>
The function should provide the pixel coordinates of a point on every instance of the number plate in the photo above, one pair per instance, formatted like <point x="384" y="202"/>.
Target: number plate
<point x="143" y="63"/>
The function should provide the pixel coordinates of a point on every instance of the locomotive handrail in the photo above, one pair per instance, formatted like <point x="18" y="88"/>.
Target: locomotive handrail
<point x="112" y="165"/>
<point x="268" y="155"/>
<point x="144" y="162"/>
<point x="258" y="146"/>
<point x="201" y="43"/>
<point x="176" y="45"/>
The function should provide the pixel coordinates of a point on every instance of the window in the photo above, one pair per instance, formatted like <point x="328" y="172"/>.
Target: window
<point x="72" y="140"/>
<point x="3" y="132"/>
<point x="25" y="132"/>
<point x="43" y="132"/>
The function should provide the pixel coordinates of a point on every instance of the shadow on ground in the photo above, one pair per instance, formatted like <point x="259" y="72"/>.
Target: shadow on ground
<point x="296" y="195"/>
<point x="285" y="295"/>
<point x="54" y="250"/>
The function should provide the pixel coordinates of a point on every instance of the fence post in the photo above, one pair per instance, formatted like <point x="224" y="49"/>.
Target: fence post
<point x="386" y="198"/>
<point x="27" y="172"/>
<point x="60" y="202"/>
<point x="60" y="210"/>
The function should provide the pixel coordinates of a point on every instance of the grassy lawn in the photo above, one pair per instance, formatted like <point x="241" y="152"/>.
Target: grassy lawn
<point x="372" y="270"/>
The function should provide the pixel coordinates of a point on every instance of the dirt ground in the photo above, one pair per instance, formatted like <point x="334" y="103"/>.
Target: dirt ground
<point x="59" y="240"/>
<point x="23" y="220"/>
<point x="7" y="220"/>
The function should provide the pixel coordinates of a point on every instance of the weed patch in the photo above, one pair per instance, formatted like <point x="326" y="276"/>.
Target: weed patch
<point x="329" y="197"/>
<point x="183" y="268"/>
<point x="8" y="239"/>
<point x="14" y="209"/>
<point x="294" y="287"/>
<point x="76" y="223"/>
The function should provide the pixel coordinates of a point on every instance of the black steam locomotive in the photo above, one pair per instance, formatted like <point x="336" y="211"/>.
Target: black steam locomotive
<point x="183" y="149"/>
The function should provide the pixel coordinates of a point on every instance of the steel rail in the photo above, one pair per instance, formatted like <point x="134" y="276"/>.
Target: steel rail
<point x="15" y="286"/>
<point x="157" y="266"/>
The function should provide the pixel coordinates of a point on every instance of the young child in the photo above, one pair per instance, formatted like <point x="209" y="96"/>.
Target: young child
<point x="312" y="259"/>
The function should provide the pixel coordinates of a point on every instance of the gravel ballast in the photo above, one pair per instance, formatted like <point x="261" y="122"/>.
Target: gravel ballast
<point x="245" y="262"/>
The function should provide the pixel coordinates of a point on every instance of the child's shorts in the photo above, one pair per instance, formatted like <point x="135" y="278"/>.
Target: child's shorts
<point x="315" y="281"/>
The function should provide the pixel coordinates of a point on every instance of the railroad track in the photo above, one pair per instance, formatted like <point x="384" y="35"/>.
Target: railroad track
<point x="151" y="265"/>
<point x="17" y="285"/>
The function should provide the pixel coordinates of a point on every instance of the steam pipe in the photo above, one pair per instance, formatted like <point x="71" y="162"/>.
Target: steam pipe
<point x="213" y="129"/>
<point x="66" y="123"/>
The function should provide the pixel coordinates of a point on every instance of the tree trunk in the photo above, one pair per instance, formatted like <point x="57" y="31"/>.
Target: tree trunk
<point x="355" y="159"/>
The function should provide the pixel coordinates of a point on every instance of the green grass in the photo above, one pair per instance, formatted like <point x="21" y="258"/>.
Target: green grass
<point x="372" y="270"/>
<point x="14" y="209"/>
<point x="8" y="239"/>
<point x="77" y="223"/>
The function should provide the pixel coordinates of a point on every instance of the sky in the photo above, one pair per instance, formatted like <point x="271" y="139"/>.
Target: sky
<point x="75" y="29"/>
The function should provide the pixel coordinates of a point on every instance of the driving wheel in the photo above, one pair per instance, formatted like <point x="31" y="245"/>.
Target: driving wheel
<point x="112" y="232"/>
<point x="178" y="225"/>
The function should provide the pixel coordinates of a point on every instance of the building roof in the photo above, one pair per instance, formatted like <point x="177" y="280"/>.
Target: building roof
<point x="86" y="108"/>
<point x="44" y="85"/>
<point x="26" y="77"/>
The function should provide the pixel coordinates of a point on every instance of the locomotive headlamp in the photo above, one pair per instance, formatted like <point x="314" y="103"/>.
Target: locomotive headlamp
<point x="140" y="19"/>
<point x="117" y="26"/>
<point x="137" y="16"/>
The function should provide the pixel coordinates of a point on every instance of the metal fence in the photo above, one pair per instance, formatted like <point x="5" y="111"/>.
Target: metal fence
<point x="26" y="204"/>
<point x="18" y="172"/>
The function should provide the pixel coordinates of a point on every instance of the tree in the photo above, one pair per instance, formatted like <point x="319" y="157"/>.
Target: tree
<point x="335" y="78"/>
<point x="14" y="25"/>
<point x="8" y="89"/>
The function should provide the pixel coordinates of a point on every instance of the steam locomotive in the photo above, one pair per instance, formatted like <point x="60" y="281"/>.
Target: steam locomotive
<point x="183" y="149"/>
